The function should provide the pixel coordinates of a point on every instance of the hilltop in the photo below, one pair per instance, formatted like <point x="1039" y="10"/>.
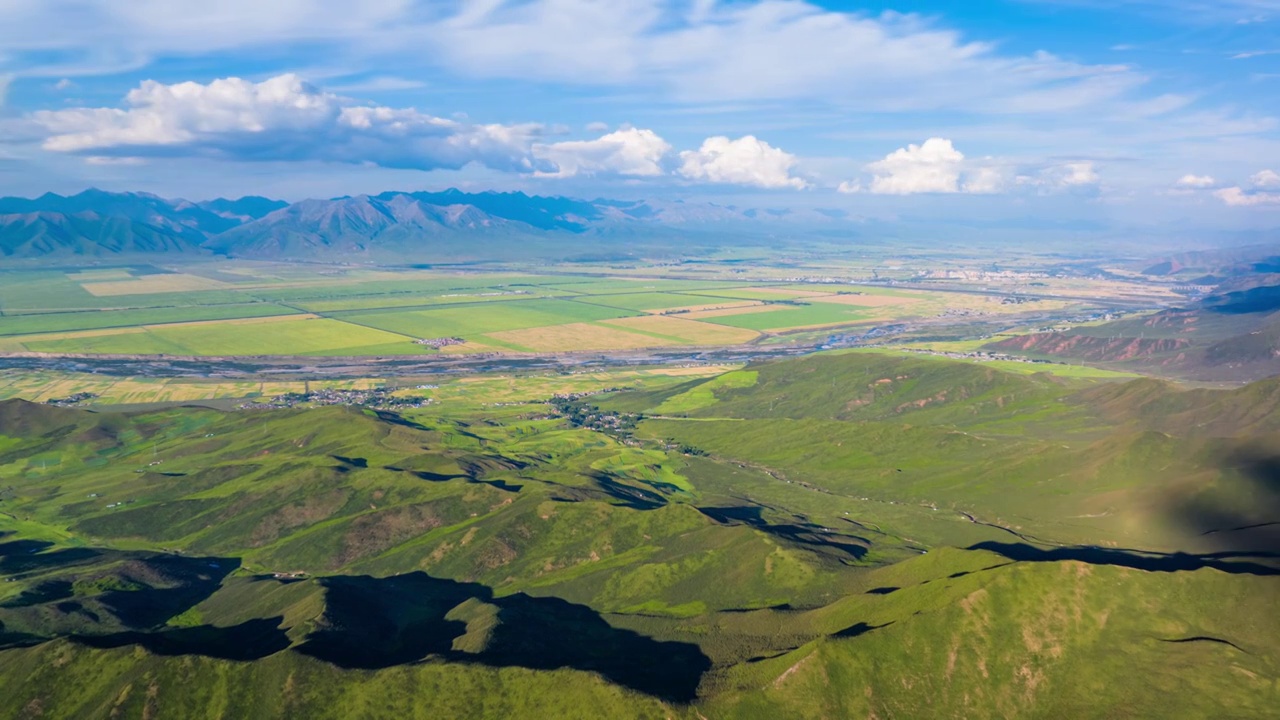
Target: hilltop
<point x="1231" y="334"/>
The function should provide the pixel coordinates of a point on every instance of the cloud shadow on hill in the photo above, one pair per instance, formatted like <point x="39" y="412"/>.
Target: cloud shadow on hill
<point x="1228" y="562"/>
<point x="372" y="623"/>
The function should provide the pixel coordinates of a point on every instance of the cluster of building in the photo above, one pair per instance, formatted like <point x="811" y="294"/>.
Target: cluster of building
<point x="982" y="275"/>
<point x="380" y="398"/>
<point x="440" y="342"/>
<point x="72" y="400"/>
<point x="981" y="356"/>
<point x="580" y="414"/>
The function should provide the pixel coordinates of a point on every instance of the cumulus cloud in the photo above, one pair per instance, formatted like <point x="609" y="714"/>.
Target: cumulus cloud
<point x="1265" y="179"/>
<point x="745" y="161"/>
<point x="849" y="187"/>
<point x="629" y="151"/>
<point x="1195" y="181"/>
<point x="1261" y="192"/>
<point x="1238" y="197"/>
<point x="935" y="166"/>
<point x="286" y="119"/>
<point x="282" y="118"/>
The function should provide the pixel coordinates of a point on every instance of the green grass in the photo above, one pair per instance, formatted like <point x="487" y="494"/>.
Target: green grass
<point x="483" y="558"/>
<point x="1061" y="369"/>
<point x="704" y="394"/>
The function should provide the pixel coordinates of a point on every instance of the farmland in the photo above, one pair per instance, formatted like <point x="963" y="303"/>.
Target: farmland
<point x="264" y="309"/>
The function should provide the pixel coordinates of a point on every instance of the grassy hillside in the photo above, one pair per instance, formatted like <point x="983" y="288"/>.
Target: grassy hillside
<point x="847" y="534"/>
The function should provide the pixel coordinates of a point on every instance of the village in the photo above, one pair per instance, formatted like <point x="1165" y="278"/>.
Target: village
<point x="378" y="398"/>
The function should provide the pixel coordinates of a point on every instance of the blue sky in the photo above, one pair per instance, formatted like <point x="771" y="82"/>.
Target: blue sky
<point x="1138" y="112"/>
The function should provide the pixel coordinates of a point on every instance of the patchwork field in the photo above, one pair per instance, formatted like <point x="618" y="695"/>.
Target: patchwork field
<point x="818" y="314"/>
<point x="202" y="310"/>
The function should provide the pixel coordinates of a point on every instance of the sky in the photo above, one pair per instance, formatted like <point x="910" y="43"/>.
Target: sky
<point x="1142" y="113"/>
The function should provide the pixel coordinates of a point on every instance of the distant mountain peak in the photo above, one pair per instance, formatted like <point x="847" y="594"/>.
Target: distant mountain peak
<point x="389" y="224"/>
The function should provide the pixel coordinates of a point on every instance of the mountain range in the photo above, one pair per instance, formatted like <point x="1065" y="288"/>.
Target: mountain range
<point x="95" y="223"/>
<point x="1232" y="334"/>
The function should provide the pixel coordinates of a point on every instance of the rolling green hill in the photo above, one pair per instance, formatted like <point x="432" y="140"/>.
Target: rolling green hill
<point x="840" y="535"/>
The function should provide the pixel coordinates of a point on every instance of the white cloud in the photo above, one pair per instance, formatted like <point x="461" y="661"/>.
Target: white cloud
<point x="935" y="166"/>
<point x="714" y="50"/>
<point x="63" y="84"/>
<point x="5" y="80"/>
<point x="1261" y="193"/>
<point x="1254" y="54"/>
<point x="849" y="187"/>
<point x="1195" y="181"/>
<point x="932" y="167"/>
<point x="629" y="151"/>
<point x="597" y="127"/>
<point x="1265" y="179"/>
<point x="691" y="50"/>
<point x="745" y="161"/>
<point x="984" y="181"/>
<point x="282" y="118"/>
<point x="1071" y="175"/>
<point x="101" y="160"/>
<point x="1237" y="197"/>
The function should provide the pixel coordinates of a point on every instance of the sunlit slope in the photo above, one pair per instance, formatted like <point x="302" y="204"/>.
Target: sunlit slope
<point x="1059" y="459"/>
<point x="1031" y="639"/>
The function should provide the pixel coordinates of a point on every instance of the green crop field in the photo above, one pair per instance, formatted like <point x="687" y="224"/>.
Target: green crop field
<point x="411" y="300"/>
<point x="620" y="286"/>
<point x="807" y="315"/>
<point x="71" y="321"/>
<point x="645" y="301"/>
